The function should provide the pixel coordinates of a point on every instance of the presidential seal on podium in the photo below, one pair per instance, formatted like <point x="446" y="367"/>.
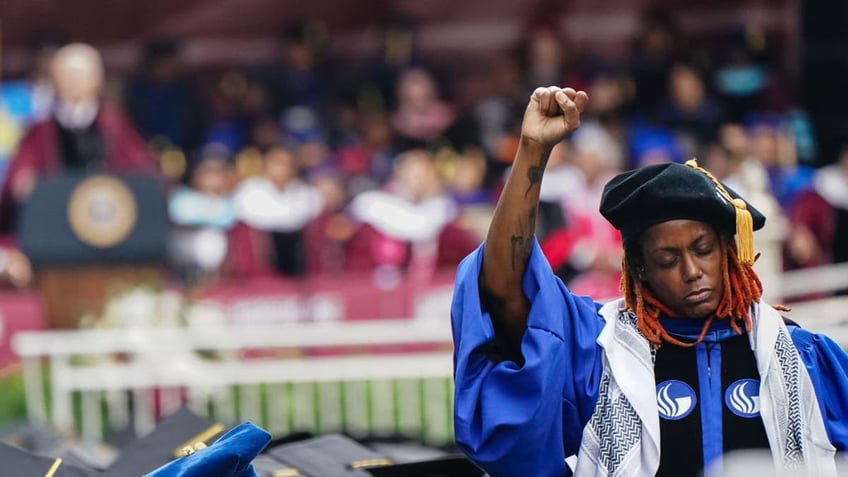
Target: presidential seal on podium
<point x="102" y="211"/>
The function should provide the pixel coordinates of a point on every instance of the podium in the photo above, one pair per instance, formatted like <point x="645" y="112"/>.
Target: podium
<point x="89" y="236"/>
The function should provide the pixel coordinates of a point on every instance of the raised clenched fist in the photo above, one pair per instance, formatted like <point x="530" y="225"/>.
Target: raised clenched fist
<point x="551" y="114"/>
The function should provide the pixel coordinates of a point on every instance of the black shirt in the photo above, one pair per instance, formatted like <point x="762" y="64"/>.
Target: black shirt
<point x="81" y="150"/>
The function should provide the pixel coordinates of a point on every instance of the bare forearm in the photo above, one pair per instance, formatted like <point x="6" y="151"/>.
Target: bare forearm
<point x="551" y="114"/>
<point x="510" y="237"/>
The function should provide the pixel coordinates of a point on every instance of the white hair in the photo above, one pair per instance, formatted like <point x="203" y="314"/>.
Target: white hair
<point x="78" y="58"/>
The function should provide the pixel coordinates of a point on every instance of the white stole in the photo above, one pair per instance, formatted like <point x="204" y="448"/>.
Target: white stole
<point x="622" y="437"/>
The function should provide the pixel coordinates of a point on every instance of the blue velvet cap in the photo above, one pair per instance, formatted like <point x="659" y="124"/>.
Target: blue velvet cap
<point x="164" y="443"/>
<point x="229" y="456"/>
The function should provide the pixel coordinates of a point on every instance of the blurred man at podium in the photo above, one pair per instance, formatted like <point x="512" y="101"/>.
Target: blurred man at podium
<point x="80" y="135"/>
<point x="80" y="138"/>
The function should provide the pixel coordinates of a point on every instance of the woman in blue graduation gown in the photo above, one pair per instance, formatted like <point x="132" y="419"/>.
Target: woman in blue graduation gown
<point x="689" y="367"/>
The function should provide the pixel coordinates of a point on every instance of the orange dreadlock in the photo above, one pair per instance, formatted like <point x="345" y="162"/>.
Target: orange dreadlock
<point x="742" y="287"/>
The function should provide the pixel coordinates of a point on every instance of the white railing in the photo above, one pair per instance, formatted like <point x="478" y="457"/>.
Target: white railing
<point x="808" y="281"/>
<point x="319" y="377"/>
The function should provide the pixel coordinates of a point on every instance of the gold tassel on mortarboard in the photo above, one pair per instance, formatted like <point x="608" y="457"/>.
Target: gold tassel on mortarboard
<point x="744" y="232"/>
<point x="198" y="442"/>
<point x="744" y="220"/>
<point x="53" y="468"/>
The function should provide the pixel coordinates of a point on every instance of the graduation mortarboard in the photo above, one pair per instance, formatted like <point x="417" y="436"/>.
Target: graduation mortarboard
<point x="637" y="199"/>
<point x="448" y="466"/>
<point x="165" y="443"/>
<point x="15" y="462"/>
<point x="401" y="449"/>
<point x="229" y="456"/>
<point x="89" y="455"/>
<point x="332" y="455"/>
<point x="266" y="466"/>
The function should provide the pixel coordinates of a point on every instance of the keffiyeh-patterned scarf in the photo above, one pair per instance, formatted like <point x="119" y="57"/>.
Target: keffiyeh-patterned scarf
<point x="622" y="437"/>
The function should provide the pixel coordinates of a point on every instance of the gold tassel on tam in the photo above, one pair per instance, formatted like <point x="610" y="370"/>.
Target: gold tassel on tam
<point x="744" y="232"/>
<point x="744" y="220"/>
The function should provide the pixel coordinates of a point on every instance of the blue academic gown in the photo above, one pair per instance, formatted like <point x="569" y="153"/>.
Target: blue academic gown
<point x="525" y="420"/>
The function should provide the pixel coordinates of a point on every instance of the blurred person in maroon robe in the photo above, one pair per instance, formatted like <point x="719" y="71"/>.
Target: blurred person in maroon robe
<point x="409" y="224"/>
<point x="79" y="136"/>
<point x="421" y="114"/>
<point x="273" y="211"/>
<point x="327" y="235"/>
<point x="818" y="219"/>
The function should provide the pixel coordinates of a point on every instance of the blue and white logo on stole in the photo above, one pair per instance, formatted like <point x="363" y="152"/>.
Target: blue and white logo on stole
<point x="743" y="397"/>
<point x="675" y="399"/>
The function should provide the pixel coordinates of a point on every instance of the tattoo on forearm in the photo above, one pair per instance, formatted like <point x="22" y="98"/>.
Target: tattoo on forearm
<point x="522" y="241"/>
<point x="535" y="173"/>
<point x="517" y="247"/>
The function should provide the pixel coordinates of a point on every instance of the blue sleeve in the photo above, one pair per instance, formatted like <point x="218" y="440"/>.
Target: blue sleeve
<point x="525" y="420"/>
<point x="827" y="364"/>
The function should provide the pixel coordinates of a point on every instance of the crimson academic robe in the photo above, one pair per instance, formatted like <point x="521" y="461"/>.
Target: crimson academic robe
<point x="124" y="151"/>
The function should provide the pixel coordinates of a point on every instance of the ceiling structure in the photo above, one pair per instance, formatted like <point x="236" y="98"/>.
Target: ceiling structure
<point x="225" y="31"/>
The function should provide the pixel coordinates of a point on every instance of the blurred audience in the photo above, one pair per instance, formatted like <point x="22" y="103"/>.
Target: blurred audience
<point x="160" y="99"/>
<point x="771" y="145"/>
<point x="397" y="52"/>
<point x="546" y="60"/>
<point x="27" y="99"/>
<point x="819" y="219"/>
<point x="30" y="98"/>
<point x="688" y="110"/>
<point x="586" y="252"/>
<point x="657" y="44"/>
<point x="310" y="164"/>
<point x="466" y="178"/>
<point x="653" y="145"/>
<point x="497" y="113"/>
<point x="300" y="78"/>
<point x="367" y="160"/>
